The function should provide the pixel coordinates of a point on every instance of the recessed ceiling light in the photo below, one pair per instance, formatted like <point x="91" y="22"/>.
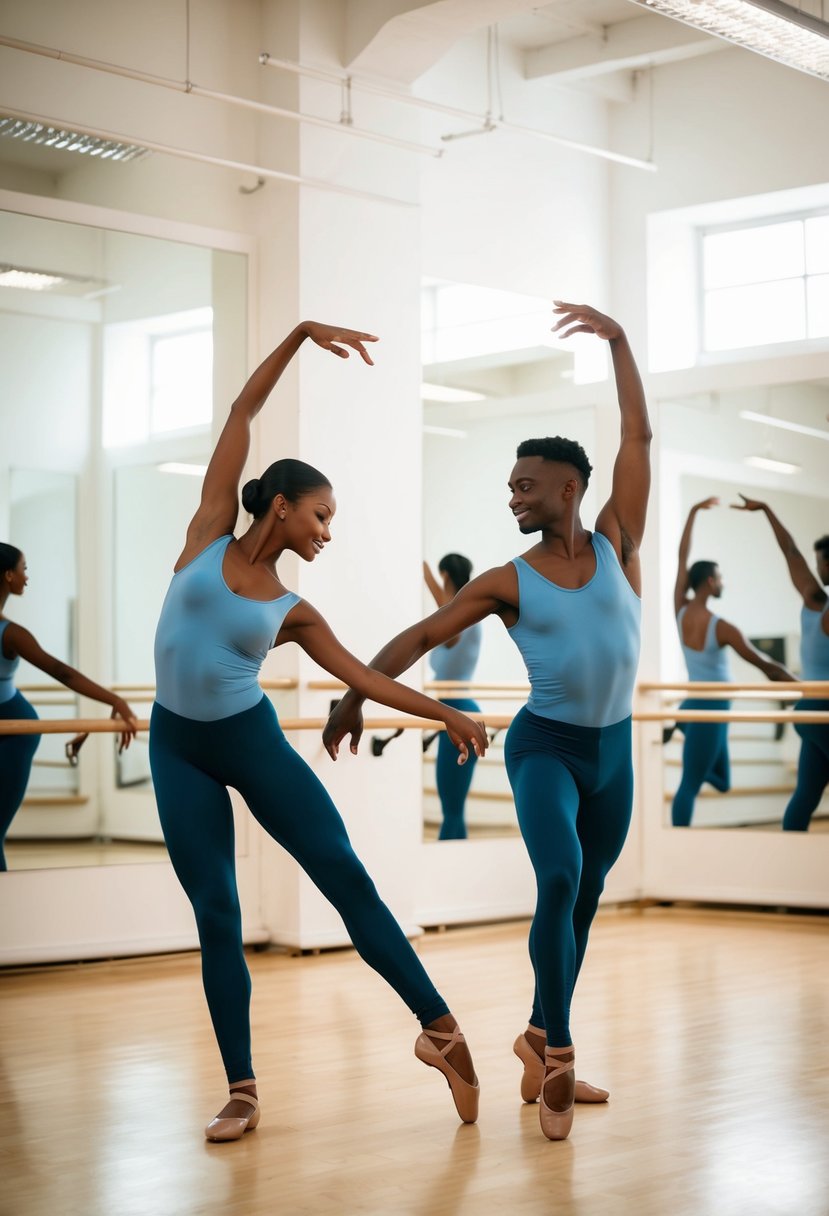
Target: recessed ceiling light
<point x="30" y="132"/>
<point x="772" y="466"/>
<point x="28" y="280"/>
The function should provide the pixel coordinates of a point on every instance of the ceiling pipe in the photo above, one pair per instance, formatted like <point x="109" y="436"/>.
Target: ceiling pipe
<point x="380" y="90"/>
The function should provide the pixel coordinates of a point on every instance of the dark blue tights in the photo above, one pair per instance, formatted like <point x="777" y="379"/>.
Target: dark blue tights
<point x="192" y="764"/>
<point x="573" y="789"/>
<point x="16" y="755"/>
<point x="812" y="771"/>
<point x="704" y="759"/>
<point x="452" y="779"/>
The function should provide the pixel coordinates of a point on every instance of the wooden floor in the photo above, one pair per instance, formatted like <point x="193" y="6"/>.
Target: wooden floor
<point x="710" y="1029"/>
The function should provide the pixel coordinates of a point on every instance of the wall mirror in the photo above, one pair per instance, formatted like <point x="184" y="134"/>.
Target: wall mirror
<point x="114" y="346"/>
<point x="492" y="376"/>
<point x="767" y="443"/>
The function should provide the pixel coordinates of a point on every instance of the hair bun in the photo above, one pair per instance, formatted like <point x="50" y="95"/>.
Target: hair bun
<point x="250" y="496"/>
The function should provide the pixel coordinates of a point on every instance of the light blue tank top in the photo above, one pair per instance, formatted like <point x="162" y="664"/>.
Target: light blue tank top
<point x="7" y="669"/>
<point x="581" y="646"/>
<point x="814" y="645"/>
<point x="710" y="663"/>
<point x="458" y="662"/>
<point x="210" y="642"/>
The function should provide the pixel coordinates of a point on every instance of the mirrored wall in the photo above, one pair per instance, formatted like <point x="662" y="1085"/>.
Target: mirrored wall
<point x="113" y="347"/>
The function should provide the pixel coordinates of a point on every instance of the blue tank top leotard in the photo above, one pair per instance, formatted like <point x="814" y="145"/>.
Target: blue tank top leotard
<point x="814" y="644"/>
<point x="710" y="663"/>
<point x="210" y="642"/>
<point x="458" y="662"/>
<point x="7" y="669"/>
<point x="581" y="646"/>
<point x="813" y="763"/>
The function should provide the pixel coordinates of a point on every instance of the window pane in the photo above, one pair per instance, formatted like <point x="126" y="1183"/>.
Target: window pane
<point x="753" y="255"/>
<point x="754" y="316"/>
<point x="817" y="295"/>
<point x="182" y="381"/>
<point x="817" y="245"/>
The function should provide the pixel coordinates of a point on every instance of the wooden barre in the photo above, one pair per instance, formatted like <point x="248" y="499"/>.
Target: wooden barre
<point x="62" y="726"/>
<point x="269" y="685"/>
<point x="815" y="688"/>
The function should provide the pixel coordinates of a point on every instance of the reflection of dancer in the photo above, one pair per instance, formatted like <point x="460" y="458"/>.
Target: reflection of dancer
<point x="212" y="727"/>
<point x="813" y="765"/>
<point x="704" y="639"/>
<point x="453" y="660"/>
<point x="571" y="604"/>
<point x="16" y="643"/>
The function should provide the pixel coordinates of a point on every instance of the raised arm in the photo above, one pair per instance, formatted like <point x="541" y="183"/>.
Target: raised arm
<point x="804" y="580"/>
<point x="681" y="584"/>
<point x="622" y="518"/>
<point x="730" y="635"/>
<point x="495" y="591"/>
<point x="27" y="647"/>
<point x="439" y="593"/>
<point x="219" y="505"/>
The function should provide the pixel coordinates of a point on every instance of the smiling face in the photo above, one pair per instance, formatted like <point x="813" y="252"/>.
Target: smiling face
<point x="542" y="492"/>
<point x="306" y="524"/>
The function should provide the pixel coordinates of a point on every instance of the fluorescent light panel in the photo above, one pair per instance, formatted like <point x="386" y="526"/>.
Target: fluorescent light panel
<point x="448" y="394"/>
<point x="448" y="431"/>
<point x="28" y="280"/>
<point x="29" y="132"/>
<point x="772" y="466"/>
<point x="798" y="427"/>
<point x="769" y="27"/>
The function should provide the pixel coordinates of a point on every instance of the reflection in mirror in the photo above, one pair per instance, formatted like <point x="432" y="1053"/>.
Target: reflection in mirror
<point x="110" y="368"/>
<point x="753" y="442"/>
<point x="493" y="375"/>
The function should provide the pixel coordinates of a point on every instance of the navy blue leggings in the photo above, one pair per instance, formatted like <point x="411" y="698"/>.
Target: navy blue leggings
<point x="452" y="779"/>
<point x="192" y="765"/>
<point x="16" y="755"/>
<point x="812" y="770"/>
<point x="704" y="759"/>
<point x="573" y="789"/>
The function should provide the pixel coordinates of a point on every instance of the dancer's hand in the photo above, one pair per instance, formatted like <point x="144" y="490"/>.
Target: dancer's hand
<point x="327" y="336"/>
<point x="466" y="734"/>
<point x="344" y="719"/>
<point x="748" y="504"/>
<point x="706" y="504"/>
<point x="120" y="709"/>
<point x="582" y="319"/>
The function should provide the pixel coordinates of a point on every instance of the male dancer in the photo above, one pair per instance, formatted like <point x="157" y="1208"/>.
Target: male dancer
<point x="571" y="604"/>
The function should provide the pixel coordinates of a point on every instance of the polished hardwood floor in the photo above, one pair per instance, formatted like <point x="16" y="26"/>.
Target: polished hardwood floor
<point x="709" y="1027"/>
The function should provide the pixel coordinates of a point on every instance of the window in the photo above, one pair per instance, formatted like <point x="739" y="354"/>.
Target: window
<point x="181" y="393"/>
<point x="765" y="283"/>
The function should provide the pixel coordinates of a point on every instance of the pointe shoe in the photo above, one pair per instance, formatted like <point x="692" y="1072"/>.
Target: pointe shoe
<point x="533" y="1077"/>
<point x="556" y="1124"/>
<point x="234" y="1129"/>
<point x="465" y="1096"/>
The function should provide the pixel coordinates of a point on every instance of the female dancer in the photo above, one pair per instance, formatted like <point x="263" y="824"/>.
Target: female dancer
<point x="16" y="643"/>
<point x="813" y="765"/>
<point x="571" y="605"/>
<point x="212" y="727"/>
<point x="453" y="660"/>
<point x="704" y="638"/>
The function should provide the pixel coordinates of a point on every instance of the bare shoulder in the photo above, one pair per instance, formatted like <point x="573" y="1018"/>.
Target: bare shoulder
<point x="500" y="583"/>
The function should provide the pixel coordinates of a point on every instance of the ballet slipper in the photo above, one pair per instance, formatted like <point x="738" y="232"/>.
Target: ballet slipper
<point x="233" y="1129"/>
<point x="556" y="1124"/>
<point x="464" y="1095"/>
<point x="533" y="1076"/>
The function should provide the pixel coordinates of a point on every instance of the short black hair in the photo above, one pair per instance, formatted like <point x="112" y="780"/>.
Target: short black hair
<point x="9" y="557"/>
<point x="700" y="572"/>
<point x="558" y="448"/>
<point x="822" y="545"/>
<point x="458" y="567"/>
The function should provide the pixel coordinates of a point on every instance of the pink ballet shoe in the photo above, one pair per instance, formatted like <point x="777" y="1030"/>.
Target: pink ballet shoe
<point x="556" y="1124"/>
<point x="233" y="1129"/>
<point x="464" y="1095"/>
<point x="533" y="1076"/>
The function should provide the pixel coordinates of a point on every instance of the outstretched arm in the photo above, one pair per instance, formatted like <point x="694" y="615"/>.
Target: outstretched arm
<point x="681" y="585"/>
<point x="490" y="593"/>
<point x="26" y="646"/>
<point x="622" y="519"/>
<point x="804" y="580"/>
<point x="306" y="627"/>
<point x="730" y="635"/>
<point x="219" y="506"/>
